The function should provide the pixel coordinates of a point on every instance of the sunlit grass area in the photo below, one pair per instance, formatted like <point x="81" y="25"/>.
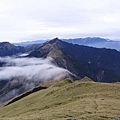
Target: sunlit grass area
<point x="62" y="100"/>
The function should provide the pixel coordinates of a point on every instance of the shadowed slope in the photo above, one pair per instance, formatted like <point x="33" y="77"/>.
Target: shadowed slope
<point x="98" y="64"/>
<point x="8" y="49"/>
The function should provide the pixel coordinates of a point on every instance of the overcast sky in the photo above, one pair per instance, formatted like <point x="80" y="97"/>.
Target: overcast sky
<point x="26" y="20"/>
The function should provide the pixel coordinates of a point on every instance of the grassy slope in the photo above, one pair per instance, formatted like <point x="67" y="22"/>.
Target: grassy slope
<point x="66" y="99"/>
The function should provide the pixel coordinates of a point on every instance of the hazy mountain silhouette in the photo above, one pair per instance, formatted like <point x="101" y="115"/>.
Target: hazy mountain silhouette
<point x="88" y="41"/>
<point x="8" y="49"/>
<point x="95" y="42"/>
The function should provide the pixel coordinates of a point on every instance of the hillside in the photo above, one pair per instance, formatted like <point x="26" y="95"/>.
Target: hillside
<point x="2" y="83"/>
<point x="64" y="100"/>
<point x="8" y="49"/>
<point x="98" y="64"/>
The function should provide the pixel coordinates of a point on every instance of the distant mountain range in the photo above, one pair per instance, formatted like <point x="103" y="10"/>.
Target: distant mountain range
<point x="96" y="42"/>
<point x="89" y="41"/>
<point x="27" y="43"/>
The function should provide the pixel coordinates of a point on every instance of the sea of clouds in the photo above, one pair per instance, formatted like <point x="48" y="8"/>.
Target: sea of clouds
<point x="25" y="73"/>
<point x="31" y="68"/>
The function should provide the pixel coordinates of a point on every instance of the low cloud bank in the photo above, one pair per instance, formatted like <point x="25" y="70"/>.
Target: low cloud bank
<point x="25" y="73"/>
<point x="31" y="68"/>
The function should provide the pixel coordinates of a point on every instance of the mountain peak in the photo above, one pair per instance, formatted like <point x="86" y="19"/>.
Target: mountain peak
<point x="3" y="43"/>
<point x="54" y="40"/>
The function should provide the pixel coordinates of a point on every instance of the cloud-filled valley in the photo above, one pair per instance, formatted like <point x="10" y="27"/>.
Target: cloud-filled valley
<point x="24" y="74"/>
<point x="30" y="68"/>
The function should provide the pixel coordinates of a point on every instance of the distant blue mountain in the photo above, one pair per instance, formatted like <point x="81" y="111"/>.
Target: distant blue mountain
<point x="95" y="42"/>
<point x="89" y="41"/>
<point x="27" y="43"/>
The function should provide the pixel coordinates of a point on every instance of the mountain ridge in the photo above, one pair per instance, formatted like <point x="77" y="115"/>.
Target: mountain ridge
<point x="81" y="59"/>
<point x="88" y="41"/>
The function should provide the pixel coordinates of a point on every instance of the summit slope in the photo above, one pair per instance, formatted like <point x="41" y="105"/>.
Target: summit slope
<point x="98" y="64"/>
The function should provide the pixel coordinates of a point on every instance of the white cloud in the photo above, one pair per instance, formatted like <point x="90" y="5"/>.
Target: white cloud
<point x="24" y="74"/>
<point x="33" y="69"/>
<point x="26" y="19"/>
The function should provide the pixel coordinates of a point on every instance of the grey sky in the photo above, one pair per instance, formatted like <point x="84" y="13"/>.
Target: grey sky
<point x="25" y="20"/>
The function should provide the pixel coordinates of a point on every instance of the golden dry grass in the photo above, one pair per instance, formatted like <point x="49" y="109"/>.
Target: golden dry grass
<point x="66" y="99"/>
